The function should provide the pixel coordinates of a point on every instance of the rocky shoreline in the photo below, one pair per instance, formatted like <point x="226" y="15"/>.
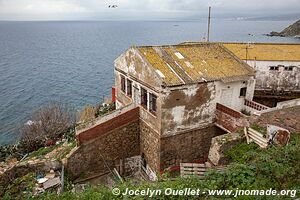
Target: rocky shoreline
<point x="291" y="31"/>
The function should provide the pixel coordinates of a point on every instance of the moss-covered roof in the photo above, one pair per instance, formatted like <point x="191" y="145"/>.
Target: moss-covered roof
<point x="182" y="64"/>
<point x="264" y="51"/>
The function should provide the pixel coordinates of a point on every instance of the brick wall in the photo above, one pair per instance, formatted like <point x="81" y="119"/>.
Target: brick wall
<point x="103" y="128"/>
<point x="229" y="118"/>
<point x="94" y="156"/>
<point x="190" y="146"/>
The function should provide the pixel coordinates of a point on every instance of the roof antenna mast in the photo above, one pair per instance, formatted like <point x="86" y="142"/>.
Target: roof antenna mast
<point x="208" y="27"/>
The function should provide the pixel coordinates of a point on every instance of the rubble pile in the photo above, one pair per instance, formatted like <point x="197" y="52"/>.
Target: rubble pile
<point x="49" y="181"/>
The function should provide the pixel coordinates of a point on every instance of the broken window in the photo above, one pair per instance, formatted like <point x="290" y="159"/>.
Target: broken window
<point x="289" y="68"/>
<point x="274" y="68"/>
<point x="243" y="92"/>
<point x="144" y="98"/>
<point x="129" y="87"/>
<point x="123" y="84"/>
<point x="152" y="103"/>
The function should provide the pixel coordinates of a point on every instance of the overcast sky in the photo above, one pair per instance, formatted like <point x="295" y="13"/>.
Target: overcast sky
<point x="140" y="9"/>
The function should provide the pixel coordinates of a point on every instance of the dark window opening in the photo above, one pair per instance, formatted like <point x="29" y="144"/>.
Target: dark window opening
<point x="144" y="98"/>
<point x="152" y="103"/>
<point x="274" y="68"/>
<point x="123" y="84"/>
<point x="129" y="87"/>
<point x="144" y="162"/>
<point x="288" y="68"/>
<point x="243" y="92"/>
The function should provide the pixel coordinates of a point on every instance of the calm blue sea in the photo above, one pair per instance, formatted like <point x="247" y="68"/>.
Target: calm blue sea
<point x="73" y="61"/>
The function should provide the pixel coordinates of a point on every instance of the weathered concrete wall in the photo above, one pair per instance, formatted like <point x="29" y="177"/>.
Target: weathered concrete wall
<point x="188" y="107"/>
<point x="228" y="94"/>
<point x="230" y="119"/>
<point x="120" y="143"/>
<point x="267" y="79"/>
<point x="135" y="66"/>
<point x="193" y="106"/>
<point x="150" y="145"/>
<point x="145" y="114"/>
<point x="288" y="104"/>
<point x="189" y="146"/>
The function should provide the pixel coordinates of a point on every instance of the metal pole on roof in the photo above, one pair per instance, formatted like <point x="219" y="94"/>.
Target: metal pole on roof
<point x="208" y="28"/>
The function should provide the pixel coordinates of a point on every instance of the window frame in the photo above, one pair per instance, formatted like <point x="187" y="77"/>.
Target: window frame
<point x="123" y="83"/>
<point x="289" y="68"/>
<point x="129" y="87"/>
<point x="144" y="98"/>
<point x="243" y="92"/>
<point x="152" y="103"/>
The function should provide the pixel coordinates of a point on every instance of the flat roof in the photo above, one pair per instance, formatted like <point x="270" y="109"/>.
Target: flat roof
<point x="192" y="63"/>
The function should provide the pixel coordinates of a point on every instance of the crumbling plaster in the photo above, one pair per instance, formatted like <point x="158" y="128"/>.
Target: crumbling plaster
<point x="281" y="79"/>
<point x="193" y="106"/>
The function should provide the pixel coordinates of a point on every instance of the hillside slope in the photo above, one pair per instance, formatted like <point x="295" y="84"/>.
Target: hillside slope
<point x="291" y="31"/>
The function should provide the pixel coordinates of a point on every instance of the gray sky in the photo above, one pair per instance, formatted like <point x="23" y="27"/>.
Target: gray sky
<point x="140" y="9"/>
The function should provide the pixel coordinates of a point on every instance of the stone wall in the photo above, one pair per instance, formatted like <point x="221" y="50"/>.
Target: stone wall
<point x="190" y="146"/>
<point x="221" y="144"/>
<point x="95" y="156"/>
<point x="150" y="145"/>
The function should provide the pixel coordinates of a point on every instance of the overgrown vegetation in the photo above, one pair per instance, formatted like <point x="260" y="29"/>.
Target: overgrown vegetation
<point x="89" y="112"/>
<point x="251" y="168"/>
<point x="245" y="112"/>
<point x="47" y="126"/>
<point x="20" y="188"/>
<point x="104" y="109"/>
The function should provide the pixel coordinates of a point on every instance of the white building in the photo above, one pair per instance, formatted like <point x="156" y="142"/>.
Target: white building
<point x="277" y="65"/>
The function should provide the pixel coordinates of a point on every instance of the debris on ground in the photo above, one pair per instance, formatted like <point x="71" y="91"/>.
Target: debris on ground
<point x="278" y="135"/>
<point x="51" y="180"/>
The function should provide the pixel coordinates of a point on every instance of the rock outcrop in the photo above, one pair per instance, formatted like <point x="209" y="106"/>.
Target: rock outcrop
<point x="291" y="31"/>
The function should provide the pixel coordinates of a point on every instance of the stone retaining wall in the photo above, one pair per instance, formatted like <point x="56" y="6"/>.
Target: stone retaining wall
<point x="101" y="153"/>
<point x="190" y="146"/>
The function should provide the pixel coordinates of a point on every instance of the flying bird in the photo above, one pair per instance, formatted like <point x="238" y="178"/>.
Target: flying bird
<point x="113" y="6"/>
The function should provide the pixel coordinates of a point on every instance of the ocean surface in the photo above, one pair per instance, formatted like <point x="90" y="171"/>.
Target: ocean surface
<point x="72" y="62"/>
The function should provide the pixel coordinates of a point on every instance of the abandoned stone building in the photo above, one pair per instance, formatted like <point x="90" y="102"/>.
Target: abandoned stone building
<point x="171" y="101"/>
<point x="166" y="99"/>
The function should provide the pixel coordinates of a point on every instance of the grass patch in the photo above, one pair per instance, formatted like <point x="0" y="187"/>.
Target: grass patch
<point x="241" y="153"/>
<point x="43" y="151"/>
<point x="20" y="188"/>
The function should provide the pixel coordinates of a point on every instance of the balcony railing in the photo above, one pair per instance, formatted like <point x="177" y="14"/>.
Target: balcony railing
<point x="254" y="105"/>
